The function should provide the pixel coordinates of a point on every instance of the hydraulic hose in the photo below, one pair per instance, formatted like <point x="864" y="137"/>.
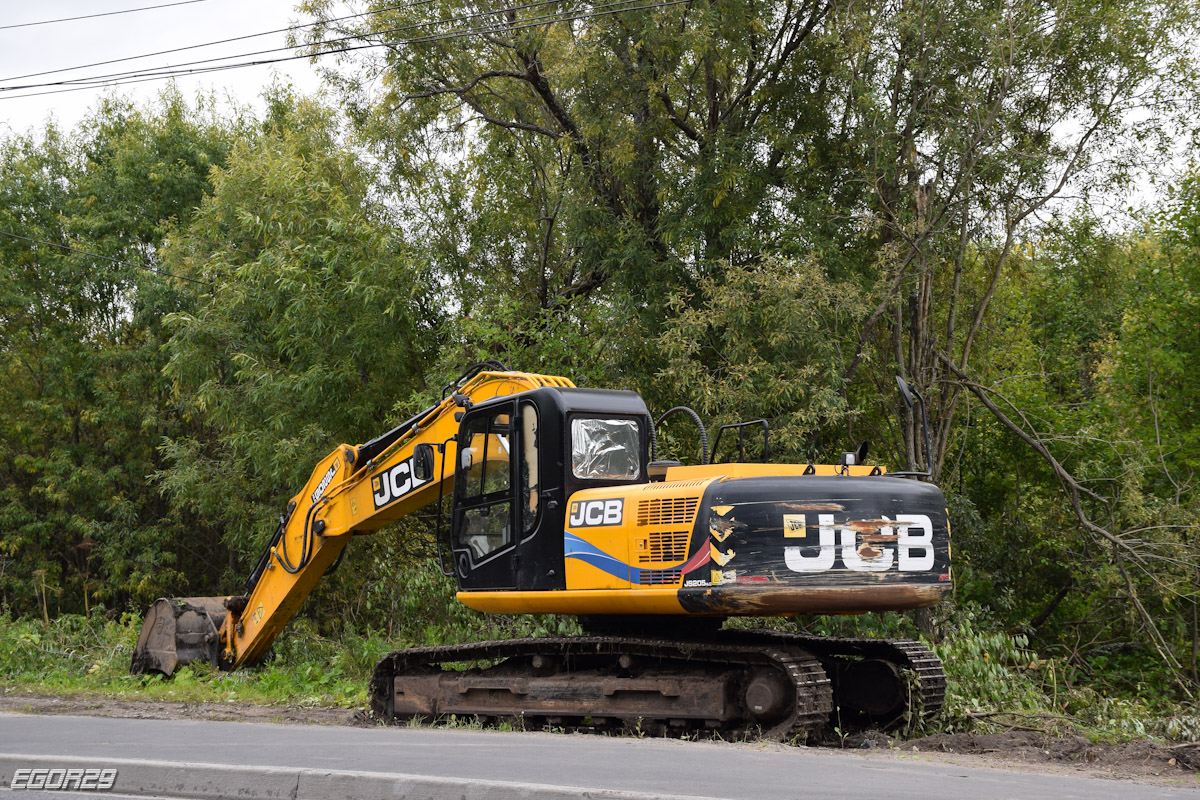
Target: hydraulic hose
<point x="306" y="550"/>
<point x="699" y="424"/>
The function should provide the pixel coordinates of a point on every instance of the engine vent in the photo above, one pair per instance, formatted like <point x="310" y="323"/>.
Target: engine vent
<point x="667" y="511"/>
<point x="654" y="577"/>
<point x="665" y="546"/>
<point x="692" y="484"/>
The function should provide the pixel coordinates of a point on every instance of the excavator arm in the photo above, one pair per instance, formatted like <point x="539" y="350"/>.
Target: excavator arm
<point x="355" y="490"/>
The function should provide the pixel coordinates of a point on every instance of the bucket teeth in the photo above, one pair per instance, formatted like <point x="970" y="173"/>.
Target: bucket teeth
<point x="178" y="631"/>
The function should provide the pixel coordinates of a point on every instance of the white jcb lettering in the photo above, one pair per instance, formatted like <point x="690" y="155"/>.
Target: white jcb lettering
<point x="868" y="558"/>
<point x="593" y="514"/>
<point x="912" y="534"/>
<point x="916" y="533"/>
<point x="823" y="560"/>
<point x="382" y="491"/>
<point x="612" y="512"/>
<point x="395" y="483"/>
<point x="400" y="488"/>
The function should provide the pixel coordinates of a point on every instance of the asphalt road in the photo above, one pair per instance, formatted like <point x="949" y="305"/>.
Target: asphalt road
<point x="570" y="763"/>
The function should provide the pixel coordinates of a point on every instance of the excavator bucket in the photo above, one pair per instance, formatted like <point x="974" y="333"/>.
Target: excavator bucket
<point x="178" y="631"/>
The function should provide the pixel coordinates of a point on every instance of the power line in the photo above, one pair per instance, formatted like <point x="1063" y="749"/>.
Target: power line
<point x="169" y="72"/>
<point x="93" y="16"/>
<point x="178" y="68"/>
<point x="106" y="258"/>
<point x="401" y="6"/>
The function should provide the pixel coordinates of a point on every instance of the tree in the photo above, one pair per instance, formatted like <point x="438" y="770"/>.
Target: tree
<point x="313" y="331"/>
<point x="84" y="402"/>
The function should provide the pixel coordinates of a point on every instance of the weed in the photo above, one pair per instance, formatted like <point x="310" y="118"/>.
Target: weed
<point x="994" y="682"/>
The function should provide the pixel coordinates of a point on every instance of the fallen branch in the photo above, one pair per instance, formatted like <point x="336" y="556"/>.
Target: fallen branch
<point x="1074" y="492"/>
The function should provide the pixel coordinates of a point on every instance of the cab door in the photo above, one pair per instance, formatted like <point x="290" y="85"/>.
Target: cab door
<point x="486" y="520"/>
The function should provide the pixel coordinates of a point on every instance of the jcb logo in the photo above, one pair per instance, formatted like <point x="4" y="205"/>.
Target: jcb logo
<point x="591" y="513"/>
<point x="394" y="483"/>
<point x="911" y="535"/>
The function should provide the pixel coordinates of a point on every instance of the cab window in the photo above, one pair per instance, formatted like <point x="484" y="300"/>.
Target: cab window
<point x="608" y="449"/>
<point x="485" y="455"/>
<point x="529" y="466"/>
<point x="485" y="464"/>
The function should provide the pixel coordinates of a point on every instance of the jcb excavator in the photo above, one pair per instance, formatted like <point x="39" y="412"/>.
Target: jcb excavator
<point x="561" y="506"/>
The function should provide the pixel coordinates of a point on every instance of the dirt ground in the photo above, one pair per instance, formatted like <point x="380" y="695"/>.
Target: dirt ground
<point x="1138" y="760"/>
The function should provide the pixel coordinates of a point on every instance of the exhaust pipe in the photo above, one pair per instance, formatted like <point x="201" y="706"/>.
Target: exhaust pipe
<point x="178" y="631"/>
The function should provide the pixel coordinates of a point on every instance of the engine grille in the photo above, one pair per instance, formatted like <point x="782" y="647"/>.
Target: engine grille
<point x="667" y="511"/>
<point x="653" y="577"/>
<point x="665" y="546"/>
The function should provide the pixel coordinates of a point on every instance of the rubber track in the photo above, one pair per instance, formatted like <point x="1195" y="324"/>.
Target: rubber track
<point x="906" y="653"/>
<point x="814" y="697"/>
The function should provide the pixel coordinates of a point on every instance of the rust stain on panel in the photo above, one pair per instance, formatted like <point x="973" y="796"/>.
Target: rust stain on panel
<point x="721" y="528"/>
<point x="770" y="599"/>
<point x="813" y="506"/>
<point x="872" y="526"/>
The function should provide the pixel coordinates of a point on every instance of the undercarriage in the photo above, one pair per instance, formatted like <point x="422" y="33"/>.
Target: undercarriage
<point x="760" y="684"/>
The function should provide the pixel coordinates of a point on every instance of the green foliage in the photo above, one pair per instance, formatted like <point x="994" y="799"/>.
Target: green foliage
<point x="317" y="323"/>
<point x="994" y="682"/>
<point x="756" y="209"/>
<point x="83" y="396"/>
<point x="982" y="670"/>
<point x="764" y="341"/>
<point x="76" y="654"/>
<point x="1150" y="370"/>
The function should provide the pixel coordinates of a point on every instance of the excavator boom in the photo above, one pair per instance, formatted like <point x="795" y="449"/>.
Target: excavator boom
<point x="354" y="490"/>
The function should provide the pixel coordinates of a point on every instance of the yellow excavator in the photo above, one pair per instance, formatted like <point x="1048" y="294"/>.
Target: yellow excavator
<point x="560" y="505"/>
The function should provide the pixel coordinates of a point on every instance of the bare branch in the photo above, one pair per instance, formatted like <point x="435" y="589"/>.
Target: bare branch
<point x="461" y="90"/>
<point x="1122" y="548"/>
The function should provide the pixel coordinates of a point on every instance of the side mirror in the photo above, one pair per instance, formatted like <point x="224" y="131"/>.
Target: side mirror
<point x="422" y="462"/>
<point x="905" y="391"/>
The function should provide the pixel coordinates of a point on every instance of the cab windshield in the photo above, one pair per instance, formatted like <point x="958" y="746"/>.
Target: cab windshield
<point x="608" y="449"/>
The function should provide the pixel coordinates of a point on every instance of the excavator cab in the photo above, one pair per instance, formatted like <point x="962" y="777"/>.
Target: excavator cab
<point x="519" y="460"/>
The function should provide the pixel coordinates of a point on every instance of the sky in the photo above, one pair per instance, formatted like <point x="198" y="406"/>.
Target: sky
<point x="39" y="48"/>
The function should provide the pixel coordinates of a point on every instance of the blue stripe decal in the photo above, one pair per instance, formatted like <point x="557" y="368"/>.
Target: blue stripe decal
<point x="585" y="551"/>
